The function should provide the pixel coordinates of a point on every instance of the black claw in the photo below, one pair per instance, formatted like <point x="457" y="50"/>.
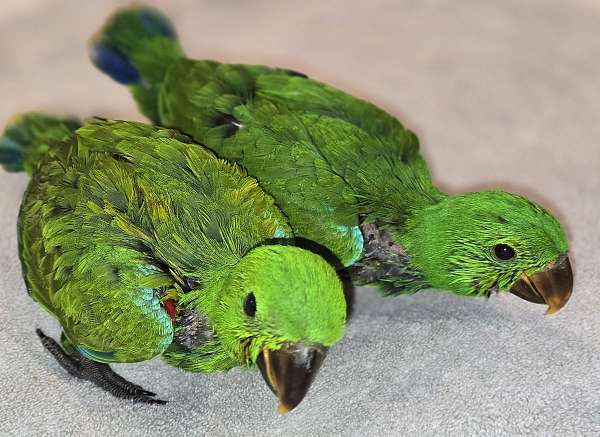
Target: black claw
<point x="141" y="391"/>
<point x="98" y="373"/>
<point x="129" y="387"/>
<point x="147" y="400"/>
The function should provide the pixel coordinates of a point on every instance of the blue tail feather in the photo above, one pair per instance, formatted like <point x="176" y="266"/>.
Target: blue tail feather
<point x="11" y="154"/>
<point x="123" y="35"/>
<point x="27" y="138"/>
<point x="135" y="47"/>
<point x="116" y="65"/>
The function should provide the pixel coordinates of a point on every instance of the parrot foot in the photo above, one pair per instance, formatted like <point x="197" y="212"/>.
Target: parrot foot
<point x="98" y="373"/>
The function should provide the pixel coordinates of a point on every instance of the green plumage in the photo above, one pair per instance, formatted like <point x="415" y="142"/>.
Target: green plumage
<point x="143" y="38"/>
<point x="29" y="136"/>
<point x="347" y="175"/>
<point x="121" y="217"/>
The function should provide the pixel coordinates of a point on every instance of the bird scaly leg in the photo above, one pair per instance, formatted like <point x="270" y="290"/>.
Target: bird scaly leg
<point x="98" y="373"/>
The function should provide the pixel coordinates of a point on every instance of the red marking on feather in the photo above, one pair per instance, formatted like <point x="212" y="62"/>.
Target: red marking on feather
<point x="169" y="306"/>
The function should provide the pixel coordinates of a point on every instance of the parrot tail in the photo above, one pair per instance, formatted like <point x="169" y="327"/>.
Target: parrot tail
<point x="28" y="136"/>
<point x="135" y="47"/>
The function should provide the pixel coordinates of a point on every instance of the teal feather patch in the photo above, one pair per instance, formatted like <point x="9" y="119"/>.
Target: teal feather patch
<point x="29" y="136"/>
<point x="100" y="357"/>
<point x="11" y="154"/>
<point x="355" y="236"/>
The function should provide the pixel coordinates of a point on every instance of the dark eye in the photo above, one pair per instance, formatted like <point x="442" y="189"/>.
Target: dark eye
<point x="250" y="305"/>
<point x="504" y="252"/>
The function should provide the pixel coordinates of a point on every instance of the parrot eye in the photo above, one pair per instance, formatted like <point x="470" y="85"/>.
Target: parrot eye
<point x="250" y="305"/>
<point x="504" y="252"/>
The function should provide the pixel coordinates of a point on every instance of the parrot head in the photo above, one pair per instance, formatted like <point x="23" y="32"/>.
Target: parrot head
<point x="487" y="241"/>
<point x="281" y="308"/>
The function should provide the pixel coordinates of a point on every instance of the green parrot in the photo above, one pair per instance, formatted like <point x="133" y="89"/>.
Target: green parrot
<point x="142" y="243"/>
<point x="347" y="175"/>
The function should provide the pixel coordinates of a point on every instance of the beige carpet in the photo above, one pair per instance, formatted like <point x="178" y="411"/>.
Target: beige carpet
<point x="502" y="94"/>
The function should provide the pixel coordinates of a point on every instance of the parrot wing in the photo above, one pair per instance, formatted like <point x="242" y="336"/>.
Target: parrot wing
<point x="301" y="166"/>
<point x="102" y="288"/>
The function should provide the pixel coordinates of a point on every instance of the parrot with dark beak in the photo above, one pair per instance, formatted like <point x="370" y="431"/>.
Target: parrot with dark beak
<point x="142" y="243"/>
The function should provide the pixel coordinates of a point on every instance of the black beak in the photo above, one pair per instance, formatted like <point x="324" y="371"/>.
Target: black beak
<point x="552" y="286"/>
<point x="290" y="371"/>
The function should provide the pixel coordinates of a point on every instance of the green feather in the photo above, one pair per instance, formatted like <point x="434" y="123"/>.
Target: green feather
<point x="135" y="48"/>
<point x="452" y="241"/>
<point x="29" y="136"/>
<point x="122" y="216"/>
<point x="334" y="162"/>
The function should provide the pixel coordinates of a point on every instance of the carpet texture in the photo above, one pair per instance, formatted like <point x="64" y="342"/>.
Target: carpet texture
<point x="502" y="94"/>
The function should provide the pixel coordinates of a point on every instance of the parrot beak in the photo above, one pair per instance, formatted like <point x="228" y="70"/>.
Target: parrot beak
<point x="289" y="372"/>
<point x="552" y="286"/>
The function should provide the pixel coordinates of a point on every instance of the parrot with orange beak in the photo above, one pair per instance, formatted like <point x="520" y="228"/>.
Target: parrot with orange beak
<point x="347" y="175"/>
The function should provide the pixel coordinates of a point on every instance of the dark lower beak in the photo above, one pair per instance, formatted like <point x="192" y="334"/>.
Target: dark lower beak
<point x="552" y="286"/>
<point x="289" y="372"/>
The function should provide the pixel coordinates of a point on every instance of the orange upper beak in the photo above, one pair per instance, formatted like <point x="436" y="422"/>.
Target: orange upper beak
<point x="552" y="286"/>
